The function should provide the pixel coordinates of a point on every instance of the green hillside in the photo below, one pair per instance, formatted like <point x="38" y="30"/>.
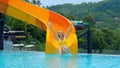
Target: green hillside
<point x="106" y="12"/>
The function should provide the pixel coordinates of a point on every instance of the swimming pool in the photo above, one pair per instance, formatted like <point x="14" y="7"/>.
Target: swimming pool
<point x="14" y="59"/>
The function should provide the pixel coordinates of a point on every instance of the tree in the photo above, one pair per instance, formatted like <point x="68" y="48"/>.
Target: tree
<point x="89" y="20"/>
<point x="36" y="2"/>
<point x="98" y="40"/>
<point x="27" y="0"/>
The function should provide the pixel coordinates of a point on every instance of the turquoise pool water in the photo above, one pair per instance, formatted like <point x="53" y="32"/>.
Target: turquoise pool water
<point x="12" y="59"/>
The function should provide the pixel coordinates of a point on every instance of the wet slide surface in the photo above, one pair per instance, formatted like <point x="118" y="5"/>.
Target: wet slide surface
<point x="40" y="17"/>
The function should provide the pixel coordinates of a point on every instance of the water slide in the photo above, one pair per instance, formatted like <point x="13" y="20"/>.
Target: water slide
<point x="40" y="17"/>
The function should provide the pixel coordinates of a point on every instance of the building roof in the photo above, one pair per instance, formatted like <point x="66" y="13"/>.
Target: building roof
<point x="76" y="22"/>
<point x="6" y="28"/>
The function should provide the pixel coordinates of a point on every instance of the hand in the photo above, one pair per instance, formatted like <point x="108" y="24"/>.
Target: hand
<point x="49" y="24"/>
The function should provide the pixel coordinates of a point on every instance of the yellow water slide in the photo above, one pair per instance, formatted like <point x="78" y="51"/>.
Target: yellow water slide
<point x="40" y="17"/>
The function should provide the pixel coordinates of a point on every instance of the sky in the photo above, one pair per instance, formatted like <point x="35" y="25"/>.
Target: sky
<point x="56" y="2"/>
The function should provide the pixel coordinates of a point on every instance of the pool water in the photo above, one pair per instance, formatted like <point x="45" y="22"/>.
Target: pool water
<point x="14" y="59"/>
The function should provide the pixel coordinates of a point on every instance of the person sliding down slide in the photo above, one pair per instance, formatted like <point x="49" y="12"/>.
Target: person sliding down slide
<point x="61" y="38"/>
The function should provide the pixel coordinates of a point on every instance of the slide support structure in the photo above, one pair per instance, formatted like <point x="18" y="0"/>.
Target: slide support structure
<point x="89" y="40"/>
<point x="2" y="20"/>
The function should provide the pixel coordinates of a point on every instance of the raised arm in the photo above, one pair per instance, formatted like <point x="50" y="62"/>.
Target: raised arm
<point x="50" y="25"/>
<point x="68" y="31"/>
